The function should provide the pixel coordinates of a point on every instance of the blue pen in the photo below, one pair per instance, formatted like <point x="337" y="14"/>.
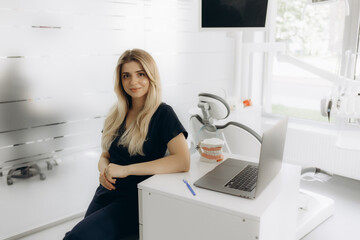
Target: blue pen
<point x="189" y="187"/>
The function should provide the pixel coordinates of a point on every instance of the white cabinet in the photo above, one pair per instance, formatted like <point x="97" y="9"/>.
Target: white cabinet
<point x="169" y="211"/>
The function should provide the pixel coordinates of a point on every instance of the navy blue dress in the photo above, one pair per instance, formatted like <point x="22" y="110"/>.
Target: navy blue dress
<point x="114" y="214"/>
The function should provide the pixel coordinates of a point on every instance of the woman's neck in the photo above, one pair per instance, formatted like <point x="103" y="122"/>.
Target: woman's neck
<point x="137" y="105"/>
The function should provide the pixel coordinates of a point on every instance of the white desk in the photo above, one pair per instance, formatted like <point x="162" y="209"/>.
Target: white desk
<point x="169" y="211"/>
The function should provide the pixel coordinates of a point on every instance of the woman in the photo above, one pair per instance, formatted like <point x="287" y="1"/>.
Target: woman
<point x="136" y="134"/>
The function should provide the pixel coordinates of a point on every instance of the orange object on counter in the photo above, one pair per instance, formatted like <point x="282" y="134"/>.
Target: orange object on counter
<point x="247" y="102"/>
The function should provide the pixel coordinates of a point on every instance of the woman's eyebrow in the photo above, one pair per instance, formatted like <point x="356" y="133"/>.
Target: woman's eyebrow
<point x="138" y="71"/>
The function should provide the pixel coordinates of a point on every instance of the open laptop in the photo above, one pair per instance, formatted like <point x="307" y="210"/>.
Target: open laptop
<point x="248" y="179"/>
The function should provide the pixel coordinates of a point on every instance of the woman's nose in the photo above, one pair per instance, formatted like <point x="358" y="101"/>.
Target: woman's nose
<point x="133" y="79"/>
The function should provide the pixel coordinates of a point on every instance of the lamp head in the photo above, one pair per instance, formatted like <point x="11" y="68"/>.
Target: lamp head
<point x="213" y="108"/>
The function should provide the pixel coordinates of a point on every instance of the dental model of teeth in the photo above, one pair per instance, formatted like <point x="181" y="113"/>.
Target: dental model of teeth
<point x="211" y="150"/>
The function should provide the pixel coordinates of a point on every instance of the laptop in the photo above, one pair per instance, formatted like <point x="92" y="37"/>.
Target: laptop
<point x="248" y="179"/>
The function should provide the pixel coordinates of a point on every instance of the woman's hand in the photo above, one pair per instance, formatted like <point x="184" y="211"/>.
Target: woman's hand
<point x="103" y="163"/>
<point x="113" y="171"/>
<point x="105" y="183"/>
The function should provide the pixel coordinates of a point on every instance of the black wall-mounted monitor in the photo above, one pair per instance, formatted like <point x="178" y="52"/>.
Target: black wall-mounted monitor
<point x="233" y="14"/>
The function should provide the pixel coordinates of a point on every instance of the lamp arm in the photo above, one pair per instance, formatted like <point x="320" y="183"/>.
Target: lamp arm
<point x="246" y="128"/>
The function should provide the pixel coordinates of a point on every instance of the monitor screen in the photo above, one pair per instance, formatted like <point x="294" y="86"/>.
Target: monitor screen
<point x="233" y="14"/>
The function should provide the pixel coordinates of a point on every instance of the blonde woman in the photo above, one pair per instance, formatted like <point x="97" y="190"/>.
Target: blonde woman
<point x="136" y="134"/>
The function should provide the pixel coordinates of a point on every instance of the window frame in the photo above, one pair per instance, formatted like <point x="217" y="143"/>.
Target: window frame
<point x="350" y="42"/>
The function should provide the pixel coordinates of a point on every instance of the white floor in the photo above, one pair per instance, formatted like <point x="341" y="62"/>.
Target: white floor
<point x="344" y="224"/>
<point x="32" y="204"/>
<point x="54" y="233"/>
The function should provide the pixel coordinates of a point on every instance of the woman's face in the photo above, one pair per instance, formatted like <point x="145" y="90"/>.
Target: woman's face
<point x="134" y="80"/>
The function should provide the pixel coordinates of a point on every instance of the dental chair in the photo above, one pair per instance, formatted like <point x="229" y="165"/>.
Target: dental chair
<point x="238" y="138"/>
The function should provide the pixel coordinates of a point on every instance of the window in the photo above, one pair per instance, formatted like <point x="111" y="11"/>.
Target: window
<point x="307" y="71"/>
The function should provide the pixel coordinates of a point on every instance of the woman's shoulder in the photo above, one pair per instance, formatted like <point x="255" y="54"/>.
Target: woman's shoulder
<point x="164" y="110"/>
<point x="163" y="107"/>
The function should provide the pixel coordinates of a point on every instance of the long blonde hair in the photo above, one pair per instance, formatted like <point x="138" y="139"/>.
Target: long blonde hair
<point x="135" y="135"/>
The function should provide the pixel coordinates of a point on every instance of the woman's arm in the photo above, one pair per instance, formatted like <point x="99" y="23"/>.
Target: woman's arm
<point x="103" y="161"/>
<point x="177" y="161"/>
<point x="102" y="165"/>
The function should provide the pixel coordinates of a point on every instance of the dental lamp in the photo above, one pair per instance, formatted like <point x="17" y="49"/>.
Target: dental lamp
<point x="213" y="108"/>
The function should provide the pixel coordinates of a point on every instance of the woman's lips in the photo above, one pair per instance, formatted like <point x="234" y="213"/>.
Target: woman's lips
<point x="134" y="89"/>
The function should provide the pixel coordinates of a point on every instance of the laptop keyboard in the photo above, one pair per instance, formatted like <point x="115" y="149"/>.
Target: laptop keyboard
<point x="245" y="180"/>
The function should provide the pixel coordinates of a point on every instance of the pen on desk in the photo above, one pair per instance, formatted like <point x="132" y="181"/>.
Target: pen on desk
<point x="189" y="187"/>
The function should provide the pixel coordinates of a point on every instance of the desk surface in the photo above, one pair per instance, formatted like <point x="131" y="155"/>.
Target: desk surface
<point x="172" y="185"/>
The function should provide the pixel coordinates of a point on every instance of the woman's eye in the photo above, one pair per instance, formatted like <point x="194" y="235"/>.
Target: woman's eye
<point x="142" y="74"/>
<point x="125" y="76"/>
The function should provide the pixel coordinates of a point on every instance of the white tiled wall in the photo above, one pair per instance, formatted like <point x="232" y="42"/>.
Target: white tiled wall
<point x="71" y="47"/>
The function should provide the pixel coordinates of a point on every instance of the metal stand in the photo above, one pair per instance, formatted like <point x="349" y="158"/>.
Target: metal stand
<point x="24" y="173"/>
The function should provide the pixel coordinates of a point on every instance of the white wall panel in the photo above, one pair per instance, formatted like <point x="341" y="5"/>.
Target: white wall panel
<point x="67" y="153"/>
<point x="25" y="18"/>
<point x="32" y="78"/>
<point x="197" y="67"/>
<point x="206" y="42"/>
<point x="74" y="6"/>
<point x="32" y="134"/>
<point x="67" y="42"/>
<point x="46" y="146"/>
<point x="18" y="115"/>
